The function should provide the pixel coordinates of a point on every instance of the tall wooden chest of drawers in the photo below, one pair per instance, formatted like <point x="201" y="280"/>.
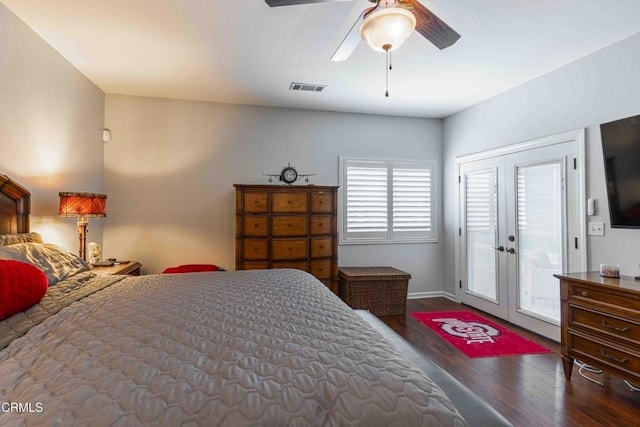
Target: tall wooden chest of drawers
<point x="288" y="227"/>
<point x="600" y="323"/>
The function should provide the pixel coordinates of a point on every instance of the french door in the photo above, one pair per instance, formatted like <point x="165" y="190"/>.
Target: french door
<point x="520" y="224"/>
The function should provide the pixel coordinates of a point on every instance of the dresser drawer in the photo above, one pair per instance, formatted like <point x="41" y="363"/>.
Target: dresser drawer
<point x="622" y="300"/>
<point x="289" y="226"/>
<point x="300" y="265"/>
<point x="289" y="249"/>
<point x="255" y="249"/>
<point x="619" y="358"/>
<point x="253" y="266"/>
<point x="255" y="202"/>
<point x="255" y="226"/>
<point x="321" y="202"/>
<point x="321" y="224"/>
<point x="321" y="268"/>
<point x="321" y="247"/>
<point x="289" y="202"/>
<point x="606" y="323"/>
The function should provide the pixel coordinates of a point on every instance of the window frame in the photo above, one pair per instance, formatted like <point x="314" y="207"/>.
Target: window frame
<point x="390" y="237"/>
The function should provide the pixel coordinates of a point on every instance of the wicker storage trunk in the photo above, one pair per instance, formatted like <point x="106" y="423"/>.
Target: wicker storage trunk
<point x="381" y="290"/>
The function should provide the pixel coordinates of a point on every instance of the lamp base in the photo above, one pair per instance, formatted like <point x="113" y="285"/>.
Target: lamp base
<point x="82" y="238"/>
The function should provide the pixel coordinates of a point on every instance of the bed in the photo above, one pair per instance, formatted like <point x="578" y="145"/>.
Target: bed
<point x="270" y="347"/>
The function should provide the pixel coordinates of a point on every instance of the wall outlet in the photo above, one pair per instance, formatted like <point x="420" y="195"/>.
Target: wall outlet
<point x="596" y="229"/>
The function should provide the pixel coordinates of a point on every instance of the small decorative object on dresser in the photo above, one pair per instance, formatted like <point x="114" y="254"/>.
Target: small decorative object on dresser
<point x="381" y="290"/>
<point x="600" y="323"/>
<point x="608" y="270"/>
<point x="129" y="268"/>
<point x="288" y="227"/>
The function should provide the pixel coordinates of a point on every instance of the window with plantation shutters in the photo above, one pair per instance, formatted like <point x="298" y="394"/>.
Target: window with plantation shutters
<point x="385" y="201"/>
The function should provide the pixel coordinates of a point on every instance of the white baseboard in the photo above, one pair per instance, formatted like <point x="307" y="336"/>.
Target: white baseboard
<point x="449" y="296"/>
<point x="432" y="294"/>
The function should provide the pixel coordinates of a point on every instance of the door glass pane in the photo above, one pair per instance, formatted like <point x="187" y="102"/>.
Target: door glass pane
<point x="481" y="232"/>
<point x="539" y="224"/>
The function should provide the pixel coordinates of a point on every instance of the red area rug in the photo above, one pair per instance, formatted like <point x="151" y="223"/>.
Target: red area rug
<point x="476" y="336"/>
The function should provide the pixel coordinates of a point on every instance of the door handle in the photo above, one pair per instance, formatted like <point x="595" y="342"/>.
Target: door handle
<point x="511" y="250"/>
<point x="499" y="248"/>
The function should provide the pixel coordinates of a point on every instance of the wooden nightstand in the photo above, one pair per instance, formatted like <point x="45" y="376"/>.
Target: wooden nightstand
<point x="131" y="268"/>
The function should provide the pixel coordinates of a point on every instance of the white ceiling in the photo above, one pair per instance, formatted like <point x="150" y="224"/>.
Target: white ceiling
<point x="244" y="52"/>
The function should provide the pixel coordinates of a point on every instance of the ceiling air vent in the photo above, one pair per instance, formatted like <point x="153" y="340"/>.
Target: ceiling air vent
<point x="306" y="87"/>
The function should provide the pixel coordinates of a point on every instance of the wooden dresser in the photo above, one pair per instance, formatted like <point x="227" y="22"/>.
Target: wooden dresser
<point x="288" y="227"/>
<point x="601" y="323"/>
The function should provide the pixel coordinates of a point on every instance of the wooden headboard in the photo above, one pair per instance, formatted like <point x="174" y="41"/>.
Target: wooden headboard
<point x="15" y="207"/>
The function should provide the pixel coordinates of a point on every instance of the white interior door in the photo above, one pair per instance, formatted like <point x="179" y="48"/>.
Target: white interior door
<point x="520" y="224"/>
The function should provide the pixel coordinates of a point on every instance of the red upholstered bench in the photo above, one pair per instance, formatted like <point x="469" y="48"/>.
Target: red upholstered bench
<point x="192" y="268"/>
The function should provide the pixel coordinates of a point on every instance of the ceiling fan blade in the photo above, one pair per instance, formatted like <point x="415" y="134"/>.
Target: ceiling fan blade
<point x="433" y="28"/>
<point x="275" y="3"/>
<point x="351" y="41"/>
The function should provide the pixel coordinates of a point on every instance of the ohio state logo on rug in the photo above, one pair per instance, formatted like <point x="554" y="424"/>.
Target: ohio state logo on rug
<point x="463" y="327"/>
<point x="471" y="332"/>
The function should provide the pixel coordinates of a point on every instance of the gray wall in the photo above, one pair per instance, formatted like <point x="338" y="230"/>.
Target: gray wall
<point x="51" y="118"/>
<point x="171" y="166"/>
<point x="596" y="89"/>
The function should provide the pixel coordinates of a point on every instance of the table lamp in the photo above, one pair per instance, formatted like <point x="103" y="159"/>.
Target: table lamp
<point x="82" y="206"/>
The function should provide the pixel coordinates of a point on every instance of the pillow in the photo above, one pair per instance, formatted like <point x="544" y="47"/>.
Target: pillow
<point x="56" y="263"/>
<point x="21" y="286"/>
<point x="192" y="268"/>
<point x="12" y="239"/>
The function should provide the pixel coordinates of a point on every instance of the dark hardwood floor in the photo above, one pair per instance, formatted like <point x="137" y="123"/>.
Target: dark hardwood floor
<point x="528" y="390"/>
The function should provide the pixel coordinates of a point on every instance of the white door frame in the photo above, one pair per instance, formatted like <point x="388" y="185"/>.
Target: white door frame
<point x="576" y="135"/>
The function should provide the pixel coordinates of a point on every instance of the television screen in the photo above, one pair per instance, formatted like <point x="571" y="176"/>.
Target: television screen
<point x="621" y="152"/>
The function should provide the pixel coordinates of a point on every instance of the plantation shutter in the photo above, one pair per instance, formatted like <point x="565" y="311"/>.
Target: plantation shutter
<point x="387" y="201"/>
<point x="481" y="201"/>
<point x="411" y="201"/>
<point x="366" y="200"/>
<point x="481" y="218"/>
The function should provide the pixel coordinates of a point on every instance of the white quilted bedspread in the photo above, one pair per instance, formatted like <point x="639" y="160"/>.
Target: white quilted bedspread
<point x="271" y="347"/>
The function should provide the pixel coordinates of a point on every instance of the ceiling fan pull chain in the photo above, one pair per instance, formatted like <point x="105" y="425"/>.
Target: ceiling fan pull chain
<point x="390" y="61"/>
<point x="387" y="68"/>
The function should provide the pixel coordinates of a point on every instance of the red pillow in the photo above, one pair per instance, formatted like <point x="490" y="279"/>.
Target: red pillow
<point x="21" y="286"/>
<point x="192" y="268"/>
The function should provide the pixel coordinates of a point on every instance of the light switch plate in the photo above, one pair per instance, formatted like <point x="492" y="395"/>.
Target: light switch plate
<point x="596" y="229"/>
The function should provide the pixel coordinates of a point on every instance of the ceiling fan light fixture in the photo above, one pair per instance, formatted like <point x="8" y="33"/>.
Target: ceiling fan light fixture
<point x="386" y="29"/>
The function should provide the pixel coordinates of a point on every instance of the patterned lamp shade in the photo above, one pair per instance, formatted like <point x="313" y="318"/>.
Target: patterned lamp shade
<point x="83" y="204"/>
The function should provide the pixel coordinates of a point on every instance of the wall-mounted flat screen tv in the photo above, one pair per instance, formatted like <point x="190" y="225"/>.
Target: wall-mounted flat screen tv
<point x="621" y="150"/>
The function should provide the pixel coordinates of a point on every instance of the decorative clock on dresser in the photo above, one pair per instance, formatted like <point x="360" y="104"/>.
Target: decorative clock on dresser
<point x="288" y="227"/>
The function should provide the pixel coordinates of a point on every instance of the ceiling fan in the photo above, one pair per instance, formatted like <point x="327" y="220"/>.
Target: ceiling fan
<point x="375" y="25"/>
